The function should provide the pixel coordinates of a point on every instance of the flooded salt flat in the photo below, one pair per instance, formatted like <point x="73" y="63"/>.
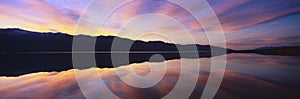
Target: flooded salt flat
<point x="246" y="76"/>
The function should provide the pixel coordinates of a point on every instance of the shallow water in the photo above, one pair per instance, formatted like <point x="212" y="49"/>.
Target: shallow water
<point x="246" y="76"/>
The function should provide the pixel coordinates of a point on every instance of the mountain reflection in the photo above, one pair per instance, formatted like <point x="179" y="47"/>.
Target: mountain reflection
<point x="15" y="64"/>
<point x="238" y="82"/>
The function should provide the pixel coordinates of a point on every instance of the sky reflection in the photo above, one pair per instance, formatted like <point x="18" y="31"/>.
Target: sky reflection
<point x="267" y="80"/>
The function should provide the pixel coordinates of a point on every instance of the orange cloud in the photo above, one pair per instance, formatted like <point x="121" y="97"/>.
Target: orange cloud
<point x="36" y="15"/>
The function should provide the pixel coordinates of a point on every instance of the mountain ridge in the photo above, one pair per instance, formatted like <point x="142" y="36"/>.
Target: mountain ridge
<point x="13" y="41"/>
<point x="18" y="40"/>
<point x="281" y="50"/>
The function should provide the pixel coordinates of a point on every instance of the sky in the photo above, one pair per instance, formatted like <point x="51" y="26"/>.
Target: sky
<point x="247" y="24"/>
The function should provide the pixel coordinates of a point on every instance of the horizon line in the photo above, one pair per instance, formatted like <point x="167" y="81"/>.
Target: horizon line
<point x="101" y="52"/>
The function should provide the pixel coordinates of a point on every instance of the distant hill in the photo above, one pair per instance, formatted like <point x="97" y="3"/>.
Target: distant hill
<point x="270" y="47"/>
<point x="17" y="40"/>
<point x="283" y="50"/>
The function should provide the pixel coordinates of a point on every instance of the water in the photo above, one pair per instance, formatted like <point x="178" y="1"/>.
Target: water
<point x="246" y="76"/>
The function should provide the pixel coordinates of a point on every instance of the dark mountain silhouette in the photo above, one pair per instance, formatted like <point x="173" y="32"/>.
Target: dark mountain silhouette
<point x="25" y="52"/>
<point x="280" y="50"/>
<point x="17" y="40"/>
<point x="271" y="47"/>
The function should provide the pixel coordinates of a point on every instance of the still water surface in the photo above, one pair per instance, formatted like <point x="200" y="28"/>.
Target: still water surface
<point x="246" y="76"/>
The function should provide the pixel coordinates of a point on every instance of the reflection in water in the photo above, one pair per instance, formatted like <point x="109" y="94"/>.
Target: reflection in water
<point x="25" y="63"/>
<point x="280" y="69"/>
<point x="247" y="76"/>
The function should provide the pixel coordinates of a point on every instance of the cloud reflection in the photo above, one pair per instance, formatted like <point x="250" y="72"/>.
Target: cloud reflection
<point x="64" y="85"/>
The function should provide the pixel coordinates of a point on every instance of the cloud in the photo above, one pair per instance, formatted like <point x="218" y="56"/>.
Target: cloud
<point x="62" y="16"/>
<point x="233" y="14"/>
<point x="256" y="12"/>
<point x="37" y="15"/>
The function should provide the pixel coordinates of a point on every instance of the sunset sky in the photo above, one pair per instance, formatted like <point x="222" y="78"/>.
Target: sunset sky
<point x="246" y="23"/>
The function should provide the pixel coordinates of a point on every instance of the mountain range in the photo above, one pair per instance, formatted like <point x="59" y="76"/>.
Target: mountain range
<point x="24" y="52"/>
<point x="280" y="50"/>
<point x="17" y="40"/>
